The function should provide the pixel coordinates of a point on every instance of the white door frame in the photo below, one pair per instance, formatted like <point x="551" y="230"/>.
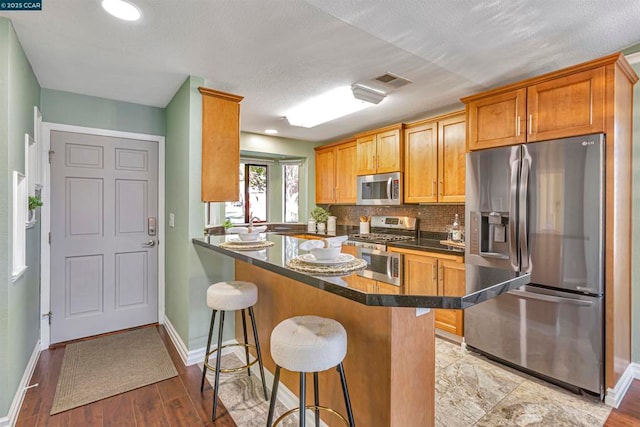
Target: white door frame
<point x="45" y="217"/>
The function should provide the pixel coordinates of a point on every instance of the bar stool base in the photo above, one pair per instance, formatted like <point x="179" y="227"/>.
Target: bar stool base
<point x="314" y="407"/>
<point x="229" y="370"/>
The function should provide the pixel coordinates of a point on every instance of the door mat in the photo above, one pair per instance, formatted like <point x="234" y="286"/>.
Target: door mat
<point x="103" y="367"/>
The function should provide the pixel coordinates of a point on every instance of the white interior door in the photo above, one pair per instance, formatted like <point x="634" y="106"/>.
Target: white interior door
<point x="104" y="256"/>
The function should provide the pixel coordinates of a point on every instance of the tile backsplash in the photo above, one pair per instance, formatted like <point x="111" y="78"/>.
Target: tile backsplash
<point x="432" y="217"/>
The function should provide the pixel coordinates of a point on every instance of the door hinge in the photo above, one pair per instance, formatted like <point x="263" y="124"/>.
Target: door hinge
<point x="51" y="153"/>
<point x="49" y="237"/>
<point x="49" y="315"/>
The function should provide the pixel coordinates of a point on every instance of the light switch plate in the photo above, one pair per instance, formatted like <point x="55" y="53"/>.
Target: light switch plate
<point x="172" y="220"/>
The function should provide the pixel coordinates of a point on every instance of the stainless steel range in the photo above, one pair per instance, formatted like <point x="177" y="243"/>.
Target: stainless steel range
<point x="385" y="229"/>
<point x="384" y="266"/>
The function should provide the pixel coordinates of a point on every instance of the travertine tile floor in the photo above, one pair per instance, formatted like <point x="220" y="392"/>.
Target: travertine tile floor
<point x="474" y="391"/>
<point x="470" y="391"/>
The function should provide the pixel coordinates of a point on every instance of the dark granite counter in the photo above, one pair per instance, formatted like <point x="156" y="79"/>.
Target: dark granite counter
<point x="482" y="283"/>
<point x="427" y="245"/>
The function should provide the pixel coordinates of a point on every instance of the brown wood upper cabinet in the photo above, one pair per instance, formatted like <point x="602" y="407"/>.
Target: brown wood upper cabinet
<point x="434" y="160"/>
<point x="220" y="145"/>
<point x="380" y="151"/>
<point x="427" y="273"/>
<point x="336" y="173"/>
<point x="557" y="105"/>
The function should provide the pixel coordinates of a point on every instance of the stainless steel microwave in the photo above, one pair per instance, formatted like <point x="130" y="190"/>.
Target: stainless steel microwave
<point x="380" y="189"/>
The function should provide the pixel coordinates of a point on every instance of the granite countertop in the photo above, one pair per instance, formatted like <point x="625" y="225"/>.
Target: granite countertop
<point x="428" y="245"/>
<point x="482" y="283"/>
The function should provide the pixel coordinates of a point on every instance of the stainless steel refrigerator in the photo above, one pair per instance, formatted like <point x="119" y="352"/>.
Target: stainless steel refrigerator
<point x="539" y="208"/>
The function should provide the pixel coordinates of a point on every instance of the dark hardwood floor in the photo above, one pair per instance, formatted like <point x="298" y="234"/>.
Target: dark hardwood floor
<point x="628" y="413"/>
<point x="173" y="402"/>
<point x="177" y="401"/>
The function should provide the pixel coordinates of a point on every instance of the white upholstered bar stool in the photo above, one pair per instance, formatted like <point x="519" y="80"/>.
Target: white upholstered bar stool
<point x="231" y="296"/>
<point x="309" y="344"/>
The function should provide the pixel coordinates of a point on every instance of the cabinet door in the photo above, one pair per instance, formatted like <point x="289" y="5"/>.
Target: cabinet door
<point x="420" y="274"/>
<point x="360" y="283"/>
<point x="346" y="173"/>
<point x="387" y="288"/>
<point x="451" y="159"/>
<point x="389" y="155"/>
<point x="567" y="106"/>
<point x="421" y="163"/>
<point x="497" y="120"/>
<point x="451" y="276"/>
<point x="325" y="175"/>
<point x="220" y="146"/>
<point x="366" y="155"/>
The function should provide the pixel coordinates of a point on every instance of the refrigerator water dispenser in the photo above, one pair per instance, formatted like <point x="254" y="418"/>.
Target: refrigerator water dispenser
<point x="488" y="235"/>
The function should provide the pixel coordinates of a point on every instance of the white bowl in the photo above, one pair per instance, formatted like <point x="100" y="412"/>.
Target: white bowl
<point x="326" y="253"/>
<point x="249" y="237"/>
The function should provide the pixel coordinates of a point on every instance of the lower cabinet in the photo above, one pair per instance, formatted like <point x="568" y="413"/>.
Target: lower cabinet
<point x="431" y="273"/>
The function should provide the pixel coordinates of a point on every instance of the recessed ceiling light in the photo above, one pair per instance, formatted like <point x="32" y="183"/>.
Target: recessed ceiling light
<point x="122" y="9"/>
<point x="270" y="131"/>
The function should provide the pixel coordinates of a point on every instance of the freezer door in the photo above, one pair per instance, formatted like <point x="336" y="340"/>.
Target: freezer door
<point x="556" y="334"/>
<point x="491" y="207"/>
<point x="564" y="222"/>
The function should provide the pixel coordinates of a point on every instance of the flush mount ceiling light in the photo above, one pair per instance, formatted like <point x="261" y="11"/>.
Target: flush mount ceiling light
<point x="367" y="93"/>
<point x="328" y="106"/>
<point x="122" y="9"/>
<point x="270" y="131"/>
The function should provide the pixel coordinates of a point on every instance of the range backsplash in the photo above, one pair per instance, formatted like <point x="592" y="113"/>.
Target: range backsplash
<point x="432" y="217"/>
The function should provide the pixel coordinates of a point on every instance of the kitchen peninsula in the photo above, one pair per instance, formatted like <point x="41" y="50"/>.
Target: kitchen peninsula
<point x="390" y="362"/>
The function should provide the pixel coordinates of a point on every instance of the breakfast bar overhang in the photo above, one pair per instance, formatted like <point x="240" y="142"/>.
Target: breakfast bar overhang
<point x="390" y="362"/>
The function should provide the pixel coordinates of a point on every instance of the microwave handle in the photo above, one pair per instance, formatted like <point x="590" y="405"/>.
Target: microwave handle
<point x="389" y="195"/>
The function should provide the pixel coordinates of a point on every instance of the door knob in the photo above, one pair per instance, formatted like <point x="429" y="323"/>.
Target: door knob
<point x="149" y="244"/>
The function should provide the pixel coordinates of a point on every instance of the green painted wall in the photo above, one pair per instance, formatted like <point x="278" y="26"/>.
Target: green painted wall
<point x="635" y="268"/>
<point x="189" y="270"/>
<point x="83" y="110"/>
<point x="5" y="264"/>
<point x="176" y="202"/>
<point x="19" y="301"/>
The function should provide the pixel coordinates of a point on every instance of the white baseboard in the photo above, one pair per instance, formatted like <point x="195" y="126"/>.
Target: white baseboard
<point x="615" y="395"/>
<point x="189" y="357"/>
<point x="285" y="396"/>
<point x="14" y="409"/>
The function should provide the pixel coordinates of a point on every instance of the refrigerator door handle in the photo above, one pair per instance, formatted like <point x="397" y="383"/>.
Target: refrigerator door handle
<point x="513" y="190"/>
<point x="523" y="219"/>
<point x="549" y="298"/>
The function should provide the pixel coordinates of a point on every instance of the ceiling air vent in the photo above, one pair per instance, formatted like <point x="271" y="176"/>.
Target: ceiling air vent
<point x="392" y="80"/>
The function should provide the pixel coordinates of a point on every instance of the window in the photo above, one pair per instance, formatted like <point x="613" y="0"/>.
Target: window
<point x="264" y="188"/>
<point x="253" y="197"/>
<point x="291" y="181"/>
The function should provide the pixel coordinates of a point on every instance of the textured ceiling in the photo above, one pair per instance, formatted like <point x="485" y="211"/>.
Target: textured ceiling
<point x="278" y="53"/>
